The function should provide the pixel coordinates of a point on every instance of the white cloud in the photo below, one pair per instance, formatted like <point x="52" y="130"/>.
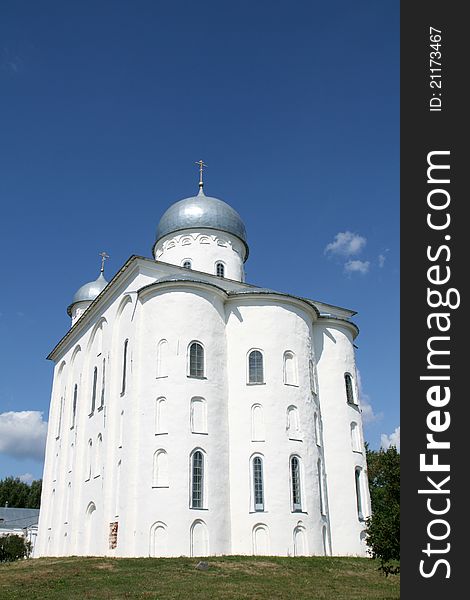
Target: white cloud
<point x="23" y="434"/>
<point x="346" y="244"/>
<point x="391" y="440"/>
<point x="381" y="260"/>
<point x="357" y="266"/>
<point x="26" y="478"/>
<point x="368" y="414"/>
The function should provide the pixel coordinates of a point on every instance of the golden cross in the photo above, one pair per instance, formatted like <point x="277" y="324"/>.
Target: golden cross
<point x="104" y="256"/>
<point x="201" y="164"/>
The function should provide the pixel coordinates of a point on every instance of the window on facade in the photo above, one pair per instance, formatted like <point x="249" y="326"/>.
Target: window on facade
<point x="320" y="487"/>
<point x="197" y="479"/>
<point x="317" y="429"/>
<point x="311" y="370"/>
<point x="93" y="393"/>
<point x="349" y="388"/>
<point x="103" y="383"/>
<point x="98" y="456"/>
<point x="59" y="416"/>
<point x="357" y="477"/>
<point x="295" y="483"/>
<point x="186" y="264"/>
<point x="290" y="369"/>
<point x="162" y="358"/>
<point x="258" y="484"/>
<point x="293" y="425"/>
<point x="255" y="367"/>
<point x="124" y="368"/>
<point x="160" y="416"/>
<point x="196" y="360"/>
<point x="160" y="469"/>
<point x="88" y="463"/>
<point x="220" y="269"/>
<point x="257" y="423"/>
<point x="355" y="437"/>
<point x="198" y="415"/>
<point x="74" y="406"/>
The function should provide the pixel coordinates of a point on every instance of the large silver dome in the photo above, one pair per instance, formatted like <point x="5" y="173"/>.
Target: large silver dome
<point x="205" y="212"/>
<point x="89" y="291"/>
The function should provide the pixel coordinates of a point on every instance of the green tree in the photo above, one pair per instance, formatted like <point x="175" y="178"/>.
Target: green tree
<point x="383" y="527"/>
<point x="19" y="494"/>
<point x="13" y="547"/>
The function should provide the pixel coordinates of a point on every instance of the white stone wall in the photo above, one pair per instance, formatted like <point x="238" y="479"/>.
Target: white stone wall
<point x="77" y="510"/>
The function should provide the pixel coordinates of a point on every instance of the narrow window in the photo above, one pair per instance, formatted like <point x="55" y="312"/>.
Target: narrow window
<point x="160" y="416"/>
<point x="186" y="264"/>
<point x="290" y="369"/>
<point x="258" y="491"/>
<point x="121" y="428"/>
<point x="220" y="269"/>
<point x="98" y="457"/>
<point x="162" y="356"/>
<point x="293" y="425"/>
<point x="124" y="368"/>
<point x="357" y="477"/>
<point x="103" y="383"/>
<point x="196" y="360"/>
<point x="197" y="479"/>
<point x="320" y="487"/>
<point x="355" y="438"/>
<point x="317" y="429"/>
<point x="74" y="405"/>
<point x="198" y="415"/>
<point x="88" y="464"/>
<point x="295" y="481"/>
<point x="349" y="388"/>
<point x="255" y="367"/>
<point x="59" y="420"/>
<point x="160" y="469"/>
<point x="93" y="393"/>
<point x="311" y="369"/>
<point x="257" y="423"/>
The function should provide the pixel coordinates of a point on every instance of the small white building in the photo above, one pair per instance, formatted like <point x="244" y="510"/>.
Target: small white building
<point x="195" y="414"/>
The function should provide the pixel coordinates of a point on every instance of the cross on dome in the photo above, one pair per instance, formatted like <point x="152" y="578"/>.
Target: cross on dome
<point x="104" y="256"/>
<point x="201" y="164"/>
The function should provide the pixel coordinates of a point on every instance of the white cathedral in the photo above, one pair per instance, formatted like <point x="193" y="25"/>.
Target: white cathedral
<point x="194" y="414"/>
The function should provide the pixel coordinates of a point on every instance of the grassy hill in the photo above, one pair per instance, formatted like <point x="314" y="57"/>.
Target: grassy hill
<point x="227" y="578"/>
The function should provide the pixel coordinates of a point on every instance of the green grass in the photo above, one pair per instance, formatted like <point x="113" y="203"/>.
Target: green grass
<point x="228" y="578"/>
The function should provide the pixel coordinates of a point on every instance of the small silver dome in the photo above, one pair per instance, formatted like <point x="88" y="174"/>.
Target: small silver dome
<point x="205" y="212"/>
<point x="89" y="291"/>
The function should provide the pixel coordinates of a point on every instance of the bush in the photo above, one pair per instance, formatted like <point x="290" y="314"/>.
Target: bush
<point x="13" y="547"/>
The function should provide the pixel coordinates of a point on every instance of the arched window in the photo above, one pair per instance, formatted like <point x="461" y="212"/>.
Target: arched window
<point x="320" y="487"/>
<point x="255" y="367"/>
<point x="260" y="540"/>
<point x="186" y="264"/>
<point x="317" y="429"/>
<point x="258" y="484"/>
<point x="59" y="420"/>
<point x="199" y="539"/>
<point x="160" y="416"/>
<point x="349" y="388"/>
<point x="355" y="437"/>
<point x="257" y="423"/>
<point x="124" y="367"/>
<point x="293" y="425"/>
<point x="357" y="478"/>
<point x="290" y="368"/>
<point x="311" y="369"/>
<point x="74" y="406"/>
<point x="198" y="416"/>
<point x="98" y="456"/>
<point x="88" y="461"/>
<point x="295" y="483"/>
<point x="197" y="479"/>
<point x="160" y="469"/>
<point x="162" y="358"/>
<point x="196" y="360"/>
<point x="93" y="393"/>
<point x="220" y="269"/>
<point x="158" y="539"/>
<point x="103" y="383"/>
<point x="300" y="541"/>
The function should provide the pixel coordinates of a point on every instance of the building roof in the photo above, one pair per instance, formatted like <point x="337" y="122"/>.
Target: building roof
<point x="18" y="518"/>
<point x="89" y="291"/>
<point x="204" y="212"/>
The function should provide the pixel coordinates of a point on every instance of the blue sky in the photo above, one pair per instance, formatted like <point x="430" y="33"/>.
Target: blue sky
<point x="105" y="106"/>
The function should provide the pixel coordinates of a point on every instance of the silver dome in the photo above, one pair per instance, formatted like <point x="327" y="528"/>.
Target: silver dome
<point x="205" y="212"/>
<point x="89" y="291"/>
